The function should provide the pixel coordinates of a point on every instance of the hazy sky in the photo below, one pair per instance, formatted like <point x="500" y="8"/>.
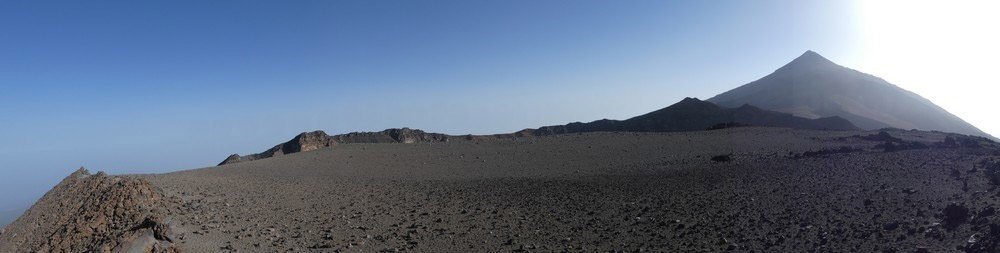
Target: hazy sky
<point x="144" y="86"/>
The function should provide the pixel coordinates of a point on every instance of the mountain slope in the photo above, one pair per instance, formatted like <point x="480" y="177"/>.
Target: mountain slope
<point x="689" y="114"/>
<point x="812" y="86"/>
<point x="692" y="114"/>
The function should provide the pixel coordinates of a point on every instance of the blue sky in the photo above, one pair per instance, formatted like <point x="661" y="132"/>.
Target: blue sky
<point x="155" y="86"/>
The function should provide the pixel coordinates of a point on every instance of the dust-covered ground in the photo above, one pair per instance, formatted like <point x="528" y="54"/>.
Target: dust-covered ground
<point x="740" y="189"/>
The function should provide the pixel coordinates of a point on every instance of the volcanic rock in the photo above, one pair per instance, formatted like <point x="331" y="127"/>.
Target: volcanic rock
<point x="955" y="214"/>
<point x="309" y="141"/>
<point x="94" y="213"/>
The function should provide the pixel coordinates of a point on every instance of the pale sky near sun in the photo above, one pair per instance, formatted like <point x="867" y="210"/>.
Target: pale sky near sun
<point x="941" y="50"/>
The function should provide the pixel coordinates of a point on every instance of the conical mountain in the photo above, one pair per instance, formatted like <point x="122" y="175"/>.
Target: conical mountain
<point x="812" y="86"/>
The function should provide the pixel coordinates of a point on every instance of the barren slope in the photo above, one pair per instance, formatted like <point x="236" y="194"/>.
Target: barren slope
<point x="812" y="86"/>
<point x="692" y="114"/>
<point x="751" y="188"/>
<point x="782" y="190"/>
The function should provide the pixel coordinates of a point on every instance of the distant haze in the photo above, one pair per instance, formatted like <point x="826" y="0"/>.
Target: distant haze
<point x="812" y="86"/>
<point x="145" y="87"/>
<point x="8" y="216"/>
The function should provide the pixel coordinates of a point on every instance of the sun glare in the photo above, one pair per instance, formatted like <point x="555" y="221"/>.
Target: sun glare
<point x="944" y="50"/>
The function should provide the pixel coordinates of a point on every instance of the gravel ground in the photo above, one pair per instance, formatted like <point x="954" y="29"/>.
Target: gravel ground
<point x="739" y="189"/>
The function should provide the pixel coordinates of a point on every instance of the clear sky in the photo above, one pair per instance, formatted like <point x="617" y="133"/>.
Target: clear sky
<point x="156" y="86"/>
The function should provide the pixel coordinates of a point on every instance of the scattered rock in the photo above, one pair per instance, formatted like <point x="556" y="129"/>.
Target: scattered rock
<point x="960" y="141"/>
<point x="882" y="136"/>
<point x="992" y="170"/>
<point x="721" y="158"/>
<point x="987" y="212"/>
<point x="825" y="152"/>
<point x="899" y="146"/>
<point x="955" y="214"/>
<point x="890" y="226"/>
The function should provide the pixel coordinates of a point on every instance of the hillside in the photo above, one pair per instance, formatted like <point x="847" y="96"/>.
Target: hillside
<point x="689" y="114"/>
<point x="692" y="114"/>
<point x="812" y="86"/>
<point x="734" y="189"/>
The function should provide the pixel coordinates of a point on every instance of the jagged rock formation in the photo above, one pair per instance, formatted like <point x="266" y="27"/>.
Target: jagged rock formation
<point x="692" y="114"/>
<point x="393" y="135"/>
<point x="812" y="86"/>
<point x="309" y="141"/>
<point x="93" y="213"/>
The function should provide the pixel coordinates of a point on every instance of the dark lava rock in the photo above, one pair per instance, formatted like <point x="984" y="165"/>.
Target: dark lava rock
<point x="987" y="212"/>
<point x="882" y="136"/>
<point x="891" y="143"/>
<point x="309" y="141"/>
<point x="721" y="158"/>
<point x="992" y="171"/>
<point x="825" y="152"/>
<point x="984" y="242"/>
<point x="890" y="226"/>
<point x="899" y="146"/>
<point x="955" y="214"/>
<point x="726" y="125"/>
<point x="959" y="141"/>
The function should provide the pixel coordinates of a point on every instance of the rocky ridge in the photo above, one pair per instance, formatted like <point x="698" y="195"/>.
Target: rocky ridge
<point x="309" y="141"/>
<point x="94" y="213"/>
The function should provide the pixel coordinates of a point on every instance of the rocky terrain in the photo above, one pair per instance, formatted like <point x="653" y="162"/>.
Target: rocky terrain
<point x="309" y="141"/>
<point x="694" y="176"/>
<point x="812" y="86"/>
<point x="738" y="189"/>
<point x="95" y="213"/>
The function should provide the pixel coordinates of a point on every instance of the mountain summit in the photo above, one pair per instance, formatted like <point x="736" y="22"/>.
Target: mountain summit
<point x="810" y="58"/>
<point x="812" y="86"/>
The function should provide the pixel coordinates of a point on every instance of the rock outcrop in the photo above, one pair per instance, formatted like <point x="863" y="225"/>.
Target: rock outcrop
<point x="309" y="141"/>
<point x="393" y="135"/>
<point x="94" y="213"/>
